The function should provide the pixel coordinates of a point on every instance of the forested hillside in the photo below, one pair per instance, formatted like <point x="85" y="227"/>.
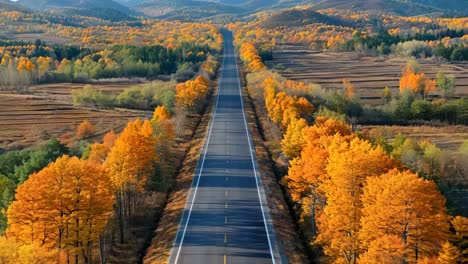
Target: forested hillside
<point x="57" y="4"/>
<point x="407" y="8"/>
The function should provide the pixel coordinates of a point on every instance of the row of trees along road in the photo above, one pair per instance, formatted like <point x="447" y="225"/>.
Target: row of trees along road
<point x="354" y="200"/>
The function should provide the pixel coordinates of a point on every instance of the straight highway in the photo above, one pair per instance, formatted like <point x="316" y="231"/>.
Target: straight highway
<point x="226" y="218"/>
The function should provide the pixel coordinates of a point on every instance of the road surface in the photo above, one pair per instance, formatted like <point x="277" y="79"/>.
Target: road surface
<point x="226" y="218"/>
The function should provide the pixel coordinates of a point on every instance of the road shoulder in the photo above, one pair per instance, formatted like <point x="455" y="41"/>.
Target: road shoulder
<point x="285" y="229"/>
<point x="164" y="235"/>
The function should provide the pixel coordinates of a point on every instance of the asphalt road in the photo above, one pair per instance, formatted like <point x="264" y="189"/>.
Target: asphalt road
<point x="226" y="218"/>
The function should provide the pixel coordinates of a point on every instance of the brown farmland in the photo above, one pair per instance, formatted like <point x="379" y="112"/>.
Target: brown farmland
<point x="28" y="120"/>
<point x="369" y="74"/>
<point x="447" y="138"/>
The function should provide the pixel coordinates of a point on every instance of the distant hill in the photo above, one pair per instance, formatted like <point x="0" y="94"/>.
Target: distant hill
<point x="186" y="9"/>
<point x="7" y="5"/>
<point x="445" y="4"/>
<point x="102" y="13"/>
<point x="130" y="3"/>
<point x="206" y="9"/>
<point x="209" y="9"/>
<point x="300" y="17"/>
<point x="400" y="7"/>
<point x="86" y="4"/>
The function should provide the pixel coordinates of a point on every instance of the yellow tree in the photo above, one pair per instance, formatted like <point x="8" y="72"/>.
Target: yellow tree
<point x="190" y="95"/>
<point x="307" y="172"/>
<point x="270" y="91"/>
<point x="349" y="165"/>
<point x="305" y="107"/>
<point x="282" y="108"/>
<point x="460" y="236"/>
<point x="285" y="110"/>
<point x="417" y="83"/>
<point x="89" y="204"/>
<point x="349" y="88"/>
<point x="410" y="209"/>
<point x="130" y="164"/>
<point x="250" y="55"/>
<point x="25" y="214"/>
<point x="386" y="249"/>
<point x="293" y="140"/>
<point x="162" y="124"/>
<point x="85" y="129"/>
<point x="449" y="254"/>
<point x="14" y="253"/>
<point x="160" y="114"/>
<point x="24" y="64"/>
<point x="164" y="134"/>
<point x="69" y="204"/>
<point x="99" y="151"/>
<point x="43" y="65"/>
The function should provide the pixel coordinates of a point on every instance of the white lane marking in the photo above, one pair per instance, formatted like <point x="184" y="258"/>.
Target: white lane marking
<point x="253" y="161"/>
<point x="204" y="156"/>
<point x="201" y="167"/>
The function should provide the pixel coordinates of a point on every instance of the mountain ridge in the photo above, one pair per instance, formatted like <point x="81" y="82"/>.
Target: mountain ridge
<point x="84" y="4"/>
<point x="206" y="9"/>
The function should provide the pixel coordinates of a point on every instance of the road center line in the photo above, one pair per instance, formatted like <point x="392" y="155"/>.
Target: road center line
<point x="253" y="163"/>
<point x="202" y="165"/>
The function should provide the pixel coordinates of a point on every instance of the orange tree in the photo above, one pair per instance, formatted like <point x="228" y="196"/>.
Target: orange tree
<point x="190" y="95"/>
<point x="63" y="208"/>
<point x="130" y="164"/>
<point x="416" y="83"/>
<point x="308" y="170"/>
<point x="350" y="163"/>
<point x="405" y="211"/>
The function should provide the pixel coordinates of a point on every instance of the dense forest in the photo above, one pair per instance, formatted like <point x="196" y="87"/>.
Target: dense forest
<point x="39" y="63"/>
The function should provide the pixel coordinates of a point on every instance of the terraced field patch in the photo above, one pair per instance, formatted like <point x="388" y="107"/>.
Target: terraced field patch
<point x="28" y="120"/>
<point x="369" y="74"/>
<point x="447" y="137"/>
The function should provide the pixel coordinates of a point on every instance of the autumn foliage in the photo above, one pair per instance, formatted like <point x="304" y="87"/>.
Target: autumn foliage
<point x="416" y="230"/>
<point x="357" y="202"/>
<point x="308" y="168"/>
<point x="130" y="160"/>
<point x="190" y="95"/>
<point x="162" y="125"/>
<point x="249" y="54"/>
<point x="85" y="129"/>
<point x="61" y="213"/>
<point x="62" y="208"/>
<point x="12" y="252"/>
<point x="281" y="107"/>
<point x="99" y="151"/>
<point x="24" y="64"/>
<point x="416" y="83"/>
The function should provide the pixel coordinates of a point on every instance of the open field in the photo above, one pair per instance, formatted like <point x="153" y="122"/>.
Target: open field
<point x="28" y="120"/>
<point x="446" y="138"/>
<point x="62" y="91"/>
<point x="369" y="74"/>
